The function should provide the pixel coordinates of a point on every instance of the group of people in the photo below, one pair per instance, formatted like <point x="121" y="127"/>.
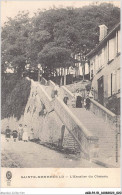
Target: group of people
<point x="22" y="134"/>
<point x="81" y="101"/>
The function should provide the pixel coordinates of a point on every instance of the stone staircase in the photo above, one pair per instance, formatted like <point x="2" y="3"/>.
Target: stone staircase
<point x="106" y="134"/>
<point x="94" y="126"/>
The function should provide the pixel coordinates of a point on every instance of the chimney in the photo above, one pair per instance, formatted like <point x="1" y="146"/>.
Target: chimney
<point x="103" y="31"/>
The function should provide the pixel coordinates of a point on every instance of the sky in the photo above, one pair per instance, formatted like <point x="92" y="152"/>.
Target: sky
<point x="10" y="8"/>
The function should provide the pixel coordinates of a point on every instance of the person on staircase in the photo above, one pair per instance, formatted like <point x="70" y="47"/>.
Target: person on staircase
<point x="88" y="101"/>
<point x="79" y="99"/>
<point x="65" y="100"/>
<point x="55" y="91"/>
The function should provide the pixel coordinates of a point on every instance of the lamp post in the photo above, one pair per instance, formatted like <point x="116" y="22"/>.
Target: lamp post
<point x="39" y="71"/>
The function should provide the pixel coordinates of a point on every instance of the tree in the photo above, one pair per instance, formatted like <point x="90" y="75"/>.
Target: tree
<point x="52" y="36"/>
<point x="53" y="56"/>
<point x="14" y="36"/>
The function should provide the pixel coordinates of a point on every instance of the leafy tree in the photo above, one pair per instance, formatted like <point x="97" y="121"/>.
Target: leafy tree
<point x="53" y="56"/>
<point x="52" y="36"/>
<point x="15" y="35"/>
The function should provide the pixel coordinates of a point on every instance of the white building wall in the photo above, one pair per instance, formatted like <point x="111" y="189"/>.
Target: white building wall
<point x="100" y="61"/>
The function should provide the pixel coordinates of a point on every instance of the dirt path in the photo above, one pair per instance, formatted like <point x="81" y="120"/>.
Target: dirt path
<point x="31" y="155"/>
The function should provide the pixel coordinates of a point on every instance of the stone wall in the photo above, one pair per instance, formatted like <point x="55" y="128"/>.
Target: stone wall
<point x="45" y="98"/>
<point x="103" y="112"/>
<point x="45" y="122"/>
<point x="83" y="137"/>
<point x="31" y="116"/>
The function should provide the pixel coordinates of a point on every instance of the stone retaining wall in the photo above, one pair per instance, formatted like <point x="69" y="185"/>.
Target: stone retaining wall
<point x="103" y="112"/>
<point x="86" y="141"/>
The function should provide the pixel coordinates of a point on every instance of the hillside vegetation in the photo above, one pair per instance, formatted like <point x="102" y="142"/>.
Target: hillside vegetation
<point x="15" y="95"/>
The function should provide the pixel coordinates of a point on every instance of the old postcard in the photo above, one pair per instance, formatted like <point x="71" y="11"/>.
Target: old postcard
<point x="60" y="94"/>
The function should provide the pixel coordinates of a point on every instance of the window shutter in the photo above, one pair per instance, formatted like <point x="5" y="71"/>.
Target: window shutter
<point x="109" y="85"/>
<point x="113" y="83"/>
<point x="111" y="49"/>
<point x="118" y="80"/>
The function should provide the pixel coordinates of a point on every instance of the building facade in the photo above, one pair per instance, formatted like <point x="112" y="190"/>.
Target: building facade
<point x="105" y="65"/>
<point x="81" y="67"/>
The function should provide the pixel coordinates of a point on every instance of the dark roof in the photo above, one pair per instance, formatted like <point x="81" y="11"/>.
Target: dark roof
<point x="100" y="45"/>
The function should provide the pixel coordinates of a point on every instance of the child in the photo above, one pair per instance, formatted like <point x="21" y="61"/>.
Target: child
<point x="8" y="134"/>
<point x="14" y="135"/>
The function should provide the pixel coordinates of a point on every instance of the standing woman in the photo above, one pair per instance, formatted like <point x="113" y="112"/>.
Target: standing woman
<point x="88" y="101"/>
<point x="20" y="131"/>
<point x="25" y="134"/>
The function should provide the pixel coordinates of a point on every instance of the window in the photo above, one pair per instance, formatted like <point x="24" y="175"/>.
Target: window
<point x="109" y="85"/>
<point x="112" y="83"/>
<point x="102" y="57"/>
<point x="111" y="49"/>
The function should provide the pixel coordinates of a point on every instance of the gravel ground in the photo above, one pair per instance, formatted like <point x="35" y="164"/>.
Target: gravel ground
<point x="31" y="155"/>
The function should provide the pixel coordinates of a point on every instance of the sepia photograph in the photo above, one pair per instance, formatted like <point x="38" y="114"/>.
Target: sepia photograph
<point x="60" y="84"/>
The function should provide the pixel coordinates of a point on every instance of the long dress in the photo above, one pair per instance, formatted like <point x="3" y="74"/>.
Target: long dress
<point x="20" y="130"/>
<point x="8" y="133"/>
<point x="79" y="102"/>
<point x="88" y="103"/>
<point x="25" y="134"/>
